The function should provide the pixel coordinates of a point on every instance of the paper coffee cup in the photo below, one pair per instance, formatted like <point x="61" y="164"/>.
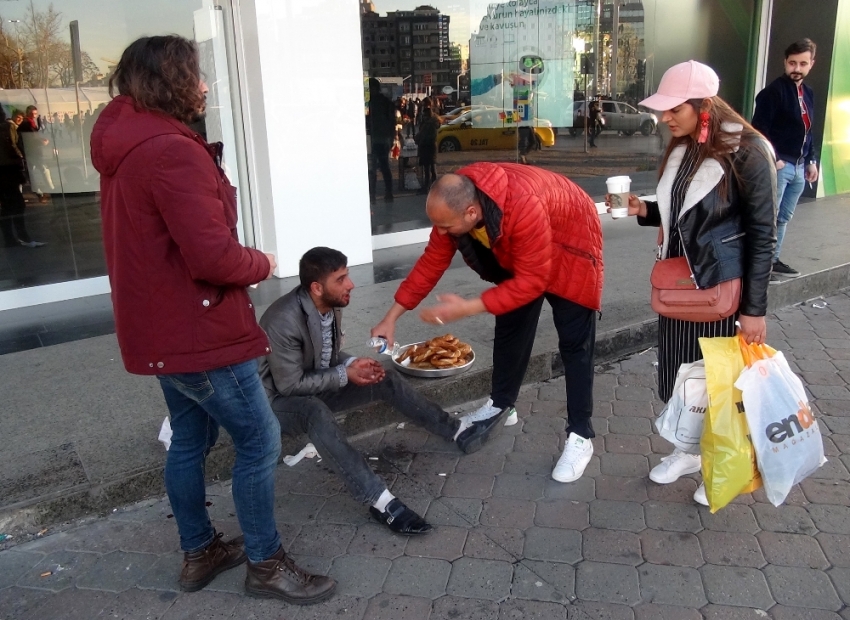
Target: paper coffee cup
<point x="618" y="189"/>
<point x="618" y="185"/>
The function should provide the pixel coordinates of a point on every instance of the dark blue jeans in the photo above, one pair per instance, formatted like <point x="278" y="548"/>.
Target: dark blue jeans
<point x="231" y="397"/>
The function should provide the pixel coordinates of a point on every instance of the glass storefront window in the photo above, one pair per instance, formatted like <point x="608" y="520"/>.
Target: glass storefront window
<point x="520" y="81"/>
<point x="55" y="61"/>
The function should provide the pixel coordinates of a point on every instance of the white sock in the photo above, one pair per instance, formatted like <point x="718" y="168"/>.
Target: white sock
<point x="460" y="428"/>
<point x="385" y="498"/>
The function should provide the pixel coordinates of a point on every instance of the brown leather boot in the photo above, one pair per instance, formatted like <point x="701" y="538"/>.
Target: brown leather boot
<point x="279" y="577"/>
<point x="201" y="567"/>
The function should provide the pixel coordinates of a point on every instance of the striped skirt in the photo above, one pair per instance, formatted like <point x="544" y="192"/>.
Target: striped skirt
<point x="678" y="343"/>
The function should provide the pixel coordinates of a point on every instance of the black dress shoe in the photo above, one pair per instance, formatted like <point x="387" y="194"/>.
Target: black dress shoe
<point x="401" y="519"/>
<point x="473" y="438"/>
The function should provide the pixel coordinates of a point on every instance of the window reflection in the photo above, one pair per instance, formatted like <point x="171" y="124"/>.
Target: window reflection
<point x="520" y="76"/>
<point x="55" y="63"/>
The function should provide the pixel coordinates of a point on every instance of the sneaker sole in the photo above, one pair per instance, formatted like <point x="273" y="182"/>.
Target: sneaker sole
<point x="194" y="586"/>
<point x="292" y="601"/>
<point x="571" y="478"/>
<point x="671" y="481"/>
<point x="787" y="275"/>
<point x="512" y="418"/>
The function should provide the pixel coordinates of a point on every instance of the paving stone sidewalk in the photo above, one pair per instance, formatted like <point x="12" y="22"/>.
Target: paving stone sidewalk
<point x="509" y="542"/>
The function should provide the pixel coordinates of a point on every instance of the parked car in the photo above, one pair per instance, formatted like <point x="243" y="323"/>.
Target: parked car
<point x="618" y="116"/>
<point x="490" y="130"/>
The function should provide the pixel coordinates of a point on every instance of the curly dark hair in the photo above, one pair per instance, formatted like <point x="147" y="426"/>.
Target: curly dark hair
<point x="161" y="73"/>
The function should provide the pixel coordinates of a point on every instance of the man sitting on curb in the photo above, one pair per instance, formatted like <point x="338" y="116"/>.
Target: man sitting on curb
<point x="307" y="378"/>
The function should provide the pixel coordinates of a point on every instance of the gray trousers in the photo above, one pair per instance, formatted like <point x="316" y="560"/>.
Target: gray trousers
<point x="314" y="415"/>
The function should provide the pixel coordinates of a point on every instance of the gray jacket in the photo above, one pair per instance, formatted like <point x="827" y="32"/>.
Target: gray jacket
<point x="294" y="328"/>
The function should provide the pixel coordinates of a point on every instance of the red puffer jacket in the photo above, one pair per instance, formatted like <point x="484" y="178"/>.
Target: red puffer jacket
<point x="546" y="234"/>
<point x="177" y="270"/>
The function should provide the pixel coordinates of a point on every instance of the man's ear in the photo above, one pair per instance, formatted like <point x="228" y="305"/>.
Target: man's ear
<point x="317" y="289"/>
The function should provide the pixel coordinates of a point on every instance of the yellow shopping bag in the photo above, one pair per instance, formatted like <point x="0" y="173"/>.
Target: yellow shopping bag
<point x="728" y="457"/>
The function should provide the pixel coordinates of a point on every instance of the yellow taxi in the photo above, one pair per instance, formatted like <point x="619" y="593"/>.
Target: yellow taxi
<point x="489" y="130"/>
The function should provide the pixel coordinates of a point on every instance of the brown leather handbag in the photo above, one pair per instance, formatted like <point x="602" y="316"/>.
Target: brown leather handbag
<point x="676" y="296"/>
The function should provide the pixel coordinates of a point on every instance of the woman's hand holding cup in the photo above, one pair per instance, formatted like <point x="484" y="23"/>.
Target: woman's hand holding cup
<point x="635" y="205"/>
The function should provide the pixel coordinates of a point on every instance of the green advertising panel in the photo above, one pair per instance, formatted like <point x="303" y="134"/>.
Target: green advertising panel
<point x="835" y="158"/>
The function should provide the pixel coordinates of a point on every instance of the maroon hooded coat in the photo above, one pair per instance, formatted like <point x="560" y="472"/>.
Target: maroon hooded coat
<point x="177" y="270"/>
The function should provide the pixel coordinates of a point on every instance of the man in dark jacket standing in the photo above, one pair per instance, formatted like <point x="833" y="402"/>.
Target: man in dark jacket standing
<point x="179" y="276"/>
<point x="382" y="134"/>
<point x="784" y="114"/>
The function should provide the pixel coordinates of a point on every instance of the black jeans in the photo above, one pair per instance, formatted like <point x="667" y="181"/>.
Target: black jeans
<point x="514" y="339"/>
<point x="313" y="415"/>
<point x="12" y="206"/>
<point x="380" y="159"/>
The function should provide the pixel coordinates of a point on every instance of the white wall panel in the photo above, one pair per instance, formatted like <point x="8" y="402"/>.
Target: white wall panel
<point x="304" y="75"/>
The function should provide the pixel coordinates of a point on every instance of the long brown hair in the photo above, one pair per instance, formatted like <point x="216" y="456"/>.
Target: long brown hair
<point x="721" y="142"/>
<point x="161" y="73"/>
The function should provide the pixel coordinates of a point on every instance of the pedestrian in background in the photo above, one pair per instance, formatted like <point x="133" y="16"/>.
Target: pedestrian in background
<point x="382" y="131"/>
<point x="716" y="205"/>
<point x="784" y="114"/>
<point x="13" y="175"/>
<point x="182" y="313"/>
<point x="426" y="141"/>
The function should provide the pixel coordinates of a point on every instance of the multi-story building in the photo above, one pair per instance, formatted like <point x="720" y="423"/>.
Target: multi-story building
<point x="411" y="44"/>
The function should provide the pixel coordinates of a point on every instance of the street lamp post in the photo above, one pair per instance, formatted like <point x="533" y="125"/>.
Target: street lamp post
<point x="20" y="52"/>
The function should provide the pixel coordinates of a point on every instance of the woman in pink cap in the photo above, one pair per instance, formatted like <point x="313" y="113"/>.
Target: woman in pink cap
<point x="716" y="205"/>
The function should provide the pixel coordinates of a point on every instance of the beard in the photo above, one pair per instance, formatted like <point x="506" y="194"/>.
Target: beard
<point x="796" y="76"/>
<point x="333" y="301"/>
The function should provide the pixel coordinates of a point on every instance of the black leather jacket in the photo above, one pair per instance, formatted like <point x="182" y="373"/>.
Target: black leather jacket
<point x="725" y="238"/>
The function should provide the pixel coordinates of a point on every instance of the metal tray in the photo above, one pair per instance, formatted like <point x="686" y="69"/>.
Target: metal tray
<point x="436" y="373"/>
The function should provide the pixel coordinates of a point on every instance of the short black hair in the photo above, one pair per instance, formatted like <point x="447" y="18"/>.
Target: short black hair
<point x="801" y="47"/>
<point x="317" y="264"/>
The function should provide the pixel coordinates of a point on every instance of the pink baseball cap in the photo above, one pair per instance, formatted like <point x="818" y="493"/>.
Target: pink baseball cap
<point x="687" y="80"/>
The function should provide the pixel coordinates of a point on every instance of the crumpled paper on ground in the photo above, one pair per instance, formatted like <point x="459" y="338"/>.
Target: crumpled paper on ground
<point x="165" y="433"/>
<point x="309" y="451"/>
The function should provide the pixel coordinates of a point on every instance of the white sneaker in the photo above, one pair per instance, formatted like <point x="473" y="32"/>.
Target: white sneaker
<point x="699" y="495"/>
<point x="577" y="454"/>
<point x="487" y="410"/>
<point x="674" y="466"/>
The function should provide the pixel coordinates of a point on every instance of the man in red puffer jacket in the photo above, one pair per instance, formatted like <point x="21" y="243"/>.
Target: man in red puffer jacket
<point x="535" y="235"/>
<point x="178" y="275"/>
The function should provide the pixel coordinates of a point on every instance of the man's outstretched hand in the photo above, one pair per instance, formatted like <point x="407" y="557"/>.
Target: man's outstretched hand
<point x="365" y="371"/>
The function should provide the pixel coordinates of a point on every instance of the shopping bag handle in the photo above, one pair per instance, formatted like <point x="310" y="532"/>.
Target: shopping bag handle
<point x="754" y="352"/>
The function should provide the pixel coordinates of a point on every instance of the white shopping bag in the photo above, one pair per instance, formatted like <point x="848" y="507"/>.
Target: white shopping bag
<point x="411" y="181"/>
<point x="785" y="434"/>
<point x="682" y="419"/>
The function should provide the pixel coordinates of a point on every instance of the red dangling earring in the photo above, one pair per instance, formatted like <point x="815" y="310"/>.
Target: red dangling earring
<point x="703" y="127"/>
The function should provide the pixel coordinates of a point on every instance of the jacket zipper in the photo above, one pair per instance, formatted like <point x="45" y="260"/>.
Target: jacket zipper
<point x="733" y="237"/>
<point x="581" y="253"/>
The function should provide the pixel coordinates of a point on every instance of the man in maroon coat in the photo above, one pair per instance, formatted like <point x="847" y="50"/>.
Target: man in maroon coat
<point x="182" y="313"/>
